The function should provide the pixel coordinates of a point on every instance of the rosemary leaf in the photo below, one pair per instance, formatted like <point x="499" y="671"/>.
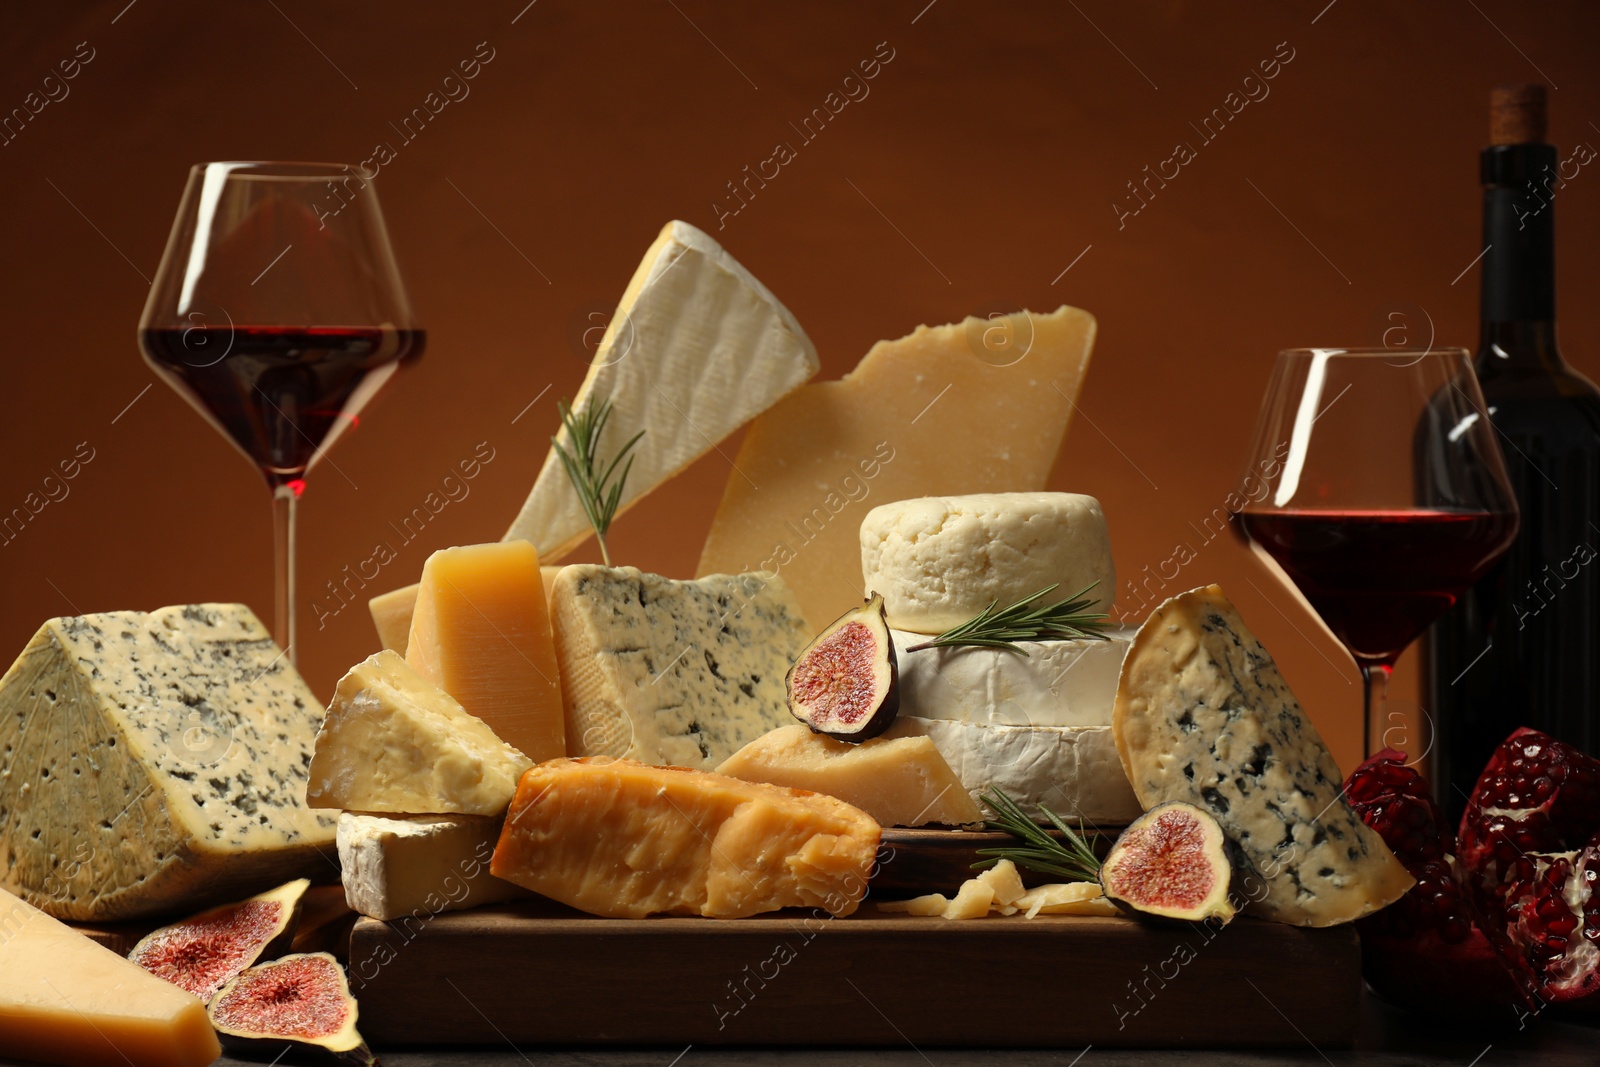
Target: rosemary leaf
<point x="598" y="495"/>
<point x="997" y="627"/>
<point x="1072" y="858"/>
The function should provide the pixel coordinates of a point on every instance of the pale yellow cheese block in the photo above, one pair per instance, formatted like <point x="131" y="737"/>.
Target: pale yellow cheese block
<point x="391" y="611"/>
<point x="901" y="781"/>
<point x="622" y="839"/>
<point x="481" y="632"/>
<point x="65" y="999"/>
<point x="980" y="406"/>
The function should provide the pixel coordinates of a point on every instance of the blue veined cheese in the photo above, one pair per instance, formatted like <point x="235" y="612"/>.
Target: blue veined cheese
<point x="1204" y="716"/>
<point x="155" y="763"/>
<point x="668" y="672"/>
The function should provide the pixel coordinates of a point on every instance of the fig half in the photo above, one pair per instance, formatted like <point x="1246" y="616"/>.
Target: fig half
<point x="1173" y="862"/>
<point x="205" y="951"/>
<point x="846" y="682"/>
<point x="301" y="1000"/>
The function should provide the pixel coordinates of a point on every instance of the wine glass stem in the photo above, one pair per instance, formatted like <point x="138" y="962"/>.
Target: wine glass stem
<point x="1375" y="679"/>
<point x="284" y="500"/>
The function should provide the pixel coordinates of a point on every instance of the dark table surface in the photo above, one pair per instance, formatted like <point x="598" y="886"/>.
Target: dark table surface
<point x="1389" y="1038"/>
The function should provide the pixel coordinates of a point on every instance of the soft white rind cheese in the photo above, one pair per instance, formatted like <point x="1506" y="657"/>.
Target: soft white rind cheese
<point x="1058" y="683"/>
<point x="155" y="763"/>
<point x="1072" y="770"/>
<point x="672" y="672"/>
<point x="697" y="348"/>
<point x="396" y="866"/>
<point x="1204" y="716"/>
<point x="941" y="560"/>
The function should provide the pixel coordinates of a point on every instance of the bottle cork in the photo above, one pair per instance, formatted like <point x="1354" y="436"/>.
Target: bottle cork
<point x="1517" y="114"/>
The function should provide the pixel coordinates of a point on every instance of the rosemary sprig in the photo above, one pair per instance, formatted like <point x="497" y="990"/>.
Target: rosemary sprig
<point x="1072" y="858"/>
<point x="598" y="499"/>
<point x="997" y="627"/>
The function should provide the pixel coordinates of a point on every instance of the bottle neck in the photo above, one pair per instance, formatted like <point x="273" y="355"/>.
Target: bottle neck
<point x="1517" y="308"/>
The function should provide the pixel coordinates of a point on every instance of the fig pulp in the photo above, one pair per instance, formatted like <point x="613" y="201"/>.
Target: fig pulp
<point x="301" y="1000"/>
<point x="846" y="682"/>
<point x="202" y="953"/>
<point x="1173" y="862"/>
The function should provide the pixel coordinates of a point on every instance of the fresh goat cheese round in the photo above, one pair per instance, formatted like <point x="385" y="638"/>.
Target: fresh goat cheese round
<point x="1072" y="770"/>
<point x="941" y="560"/>
<point x="1057" y="683"/>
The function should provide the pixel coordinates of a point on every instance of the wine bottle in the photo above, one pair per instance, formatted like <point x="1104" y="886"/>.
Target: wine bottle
<point x="1522" y="647"/>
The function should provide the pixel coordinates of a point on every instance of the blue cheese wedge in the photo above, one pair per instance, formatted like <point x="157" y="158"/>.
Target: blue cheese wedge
<point x="155" y="763"/>
<point x="1203" y="716"/>
<point x="668" y="672"/>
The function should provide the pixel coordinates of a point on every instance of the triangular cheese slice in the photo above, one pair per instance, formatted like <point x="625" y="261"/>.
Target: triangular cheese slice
<point x="697" y="348"/>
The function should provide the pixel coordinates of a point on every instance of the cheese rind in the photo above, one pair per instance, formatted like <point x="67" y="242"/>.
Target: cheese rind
<point x="620" y="839"/>
<point x="940" y="561"/>
<point x="899" y="781"/>
<point x="1204" y="716"/>
<point x="65" y="999"/>
<point x="417" y="866"/>
<point x="978" y="406"/>
<point x="672" y="672"/>
<point x="1058" y="683"/>
<point x="697" y="347"/>
<point x="154" y="763"/>
<point x="481" y="632"/>
<point x="394" y="742"/>
<point x="1072" y="770"/>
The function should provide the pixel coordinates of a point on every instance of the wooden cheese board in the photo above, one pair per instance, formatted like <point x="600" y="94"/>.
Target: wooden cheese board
<point x="535" y="973"/>
<point x="936" y="859"/>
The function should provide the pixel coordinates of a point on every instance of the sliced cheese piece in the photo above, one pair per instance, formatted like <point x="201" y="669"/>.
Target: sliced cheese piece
<point x="1072" y="770"/>
<point x="972" y="900"/>
<point x="417" y="866"/>
<point x="65" y="999"/>
<point x="391" y="611"/>
<point x="980" y="406"/>
<point x="155" y="763"/>
<point x="939" y="561"/>
<point x="672" y="672"/>
<point x="697" y="348"/>
<point x="394" y="742"/>
<point x="1204" y="716"/>
<point x="621" y="839"/>
<point x="1066" y="898"/>
<point x="481" y="632"/>
<point x="1006" y="882"/>
<point x="899" y="781"/>
<point x="1057" y="683"/>
<point x="926" y="906"/>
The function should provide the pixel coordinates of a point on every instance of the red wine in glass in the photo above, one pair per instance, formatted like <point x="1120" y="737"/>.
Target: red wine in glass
<point x="1376" y="486"/>
<point x="281" y="393"/>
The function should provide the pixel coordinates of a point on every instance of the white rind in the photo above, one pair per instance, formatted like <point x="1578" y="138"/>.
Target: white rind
<point x="397" y="866"/>
<point x="1058" y="683"/>
<point x="941" y="560"/>
<point x="1074" y="771"/>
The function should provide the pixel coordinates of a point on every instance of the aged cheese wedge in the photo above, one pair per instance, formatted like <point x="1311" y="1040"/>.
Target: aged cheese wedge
<point x="697" y="347"/>
<point x="391" y="611"/>
<point x="898" y="781"/>
<point x="417" y="866"/>
<point x="65" y="999"/>
<point x="481" y="632"/>
<point x="977" y="407"/>
<point x="940" y="561"/>
<point x="621" y="839"/>
<point x="672" y="672"/>
<point x="155" y="763"/>
<point x="1204" y="716"/>
<point x="394" y="742"/>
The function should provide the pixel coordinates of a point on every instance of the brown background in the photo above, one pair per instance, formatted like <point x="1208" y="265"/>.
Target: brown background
<point x="995" y="143"/>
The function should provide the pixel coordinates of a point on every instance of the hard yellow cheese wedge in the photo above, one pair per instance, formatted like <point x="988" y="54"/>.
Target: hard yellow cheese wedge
<point x="621" y="839"/>
<point x="901" y="781"/>
<point x="977" y="407"/>
<point x="481" y="632"/>
<point x="65" y="999"/>
<point x="391" y="611"/>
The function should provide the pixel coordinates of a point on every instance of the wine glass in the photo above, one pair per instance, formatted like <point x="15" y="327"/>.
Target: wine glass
<point x="278" y="312"/>
<point x="1377" y="488"/>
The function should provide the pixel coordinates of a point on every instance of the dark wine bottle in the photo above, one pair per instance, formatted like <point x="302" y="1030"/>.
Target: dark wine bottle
<point x="1522" y="647"/>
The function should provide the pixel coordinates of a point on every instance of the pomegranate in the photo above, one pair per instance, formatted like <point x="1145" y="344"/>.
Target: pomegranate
<point x="1423" y="951"/>
<point x="1530" y="842"/>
